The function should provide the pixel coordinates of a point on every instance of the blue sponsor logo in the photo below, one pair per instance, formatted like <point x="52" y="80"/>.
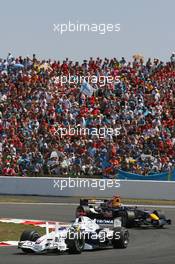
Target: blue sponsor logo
<point x="104" y="221"/>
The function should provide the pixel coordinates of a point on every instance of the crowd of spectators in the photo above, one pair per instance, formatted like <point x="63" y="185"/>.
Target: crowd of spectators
<point x="34" y="104"/>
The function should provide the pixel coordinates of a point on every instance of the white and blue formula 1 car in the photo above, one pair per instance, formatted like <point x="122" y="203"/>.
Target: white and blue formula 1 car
<point x="83" y="234"/>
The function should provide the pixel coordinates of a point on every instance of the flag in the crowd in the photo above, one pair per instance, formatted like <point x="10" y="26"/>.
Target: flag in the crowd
<point x="87" y="89"/>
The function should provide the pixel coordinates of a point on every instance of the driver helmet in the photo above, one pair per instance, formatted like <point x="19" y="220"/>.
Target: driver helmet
<point x="116" y="201"/>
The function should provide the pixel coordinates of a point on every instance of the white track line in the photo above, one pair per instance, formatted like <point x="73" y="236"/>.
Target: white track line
<point x="35" y="203"/>
<point x="75" y="204"/>
<point x="152" y="205"/>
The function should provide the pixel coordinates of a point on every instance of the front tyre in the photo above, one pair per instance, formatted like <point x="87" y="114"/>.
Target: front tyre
<point x="162" y="219"/>
<point x="29" y="235"/>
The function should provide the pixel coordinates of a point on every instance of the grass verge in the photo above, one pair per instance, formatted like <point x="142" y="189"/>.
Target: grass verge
<point x="12" y="232"/>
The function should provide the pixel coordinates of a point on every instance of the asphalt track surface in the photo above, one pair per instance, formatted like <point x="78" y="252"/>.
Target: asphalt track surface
<point x="147" y="245"/>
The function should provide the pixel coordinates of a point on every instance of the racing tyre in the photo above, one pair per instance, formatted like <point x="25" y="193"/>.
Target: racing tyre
<point x="75" y="243"/>
<point x="30" y="235"/>
<point x="81" y="210"/>
<point x="120" y="238"/>
<point x="161" y="215"/>
<point x="128" y="218"/>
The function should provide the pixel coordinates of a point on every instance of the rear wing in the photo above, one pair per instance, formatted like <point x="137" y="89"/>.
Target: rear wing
<point x="87" y="202"/>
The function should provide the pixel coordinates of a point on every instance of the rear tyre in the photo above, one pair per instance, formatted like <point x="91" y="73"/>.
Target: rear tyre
<point x="120" y="238"/>
<point x="75" y="243"/>
<point x="128" y="218"/>
<point x="30" y="235"/>
<point x="81" y="210"/>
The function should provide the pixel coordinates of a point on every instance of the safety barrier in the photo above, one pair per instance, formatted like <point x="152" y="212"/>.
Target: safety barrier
<point x="165" y="176"/>
<point x="87" y="187"/>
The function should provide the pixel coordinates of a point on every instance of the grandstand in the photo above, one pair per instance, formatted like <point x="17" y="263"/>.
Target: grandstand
<point x="35" y="104"/>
